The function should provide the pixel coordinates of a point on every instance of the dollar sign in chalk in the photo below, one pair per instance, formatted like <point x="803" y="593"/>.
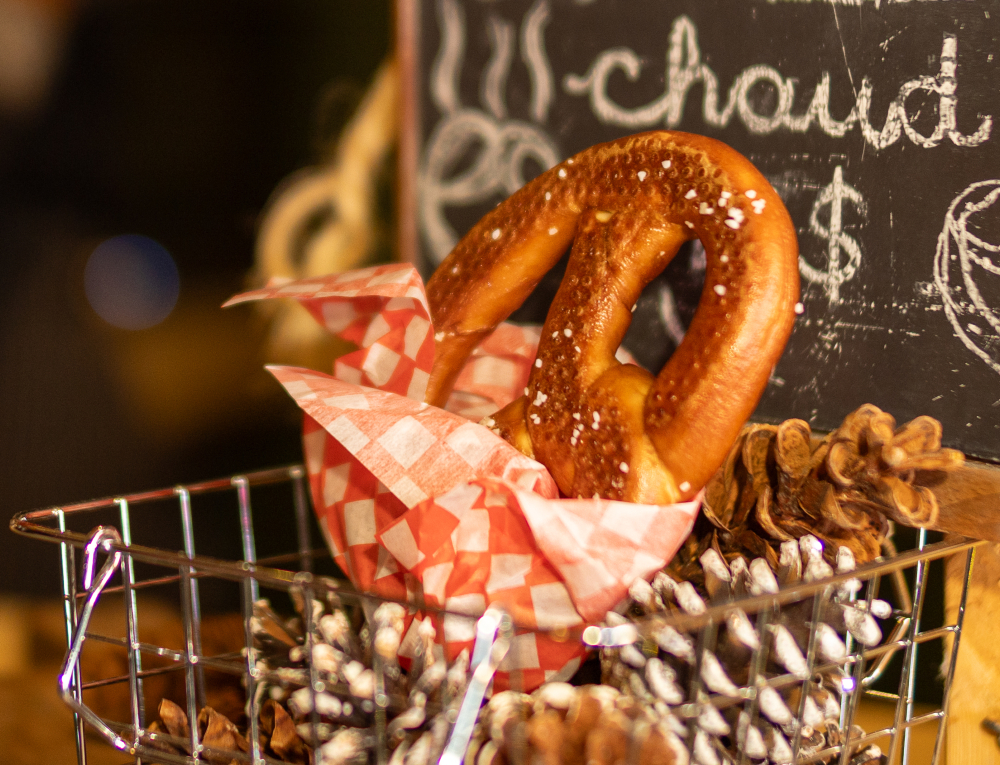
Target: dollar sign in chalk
<point x="837" y="271"/>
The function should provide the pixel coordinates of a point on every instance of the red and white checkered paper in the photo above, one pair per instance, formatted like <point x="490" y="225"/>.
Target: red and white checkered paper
<point x="415" y="498"/>
<point x="372" y="454"/>
<point x="383" y="310"/>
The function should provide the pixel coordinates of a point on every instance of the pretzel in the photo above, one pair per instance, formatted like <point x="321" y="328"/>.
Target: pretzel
<point x="600" y="427"/>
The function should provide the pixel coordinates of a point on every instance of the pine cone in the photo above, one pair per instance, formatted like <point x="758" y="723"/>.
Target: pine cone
<point x="560" y="724"/>
<point x="658" y="671"/>
<point x="780" y="482"/>
<point x="875" y="465"/>
<point x="422" y="703"/>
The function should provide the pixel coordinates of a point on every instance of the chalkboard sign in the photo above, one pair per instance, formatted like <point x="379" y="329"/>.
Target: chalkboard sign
<point x="875" y="120"/>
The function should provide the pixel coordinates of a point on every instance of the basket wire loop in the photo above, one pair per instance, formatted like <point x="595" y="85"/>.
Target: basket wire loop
<point x="192" y="650"/>
<point x="246" y="529"/>
<point x="915" y="627"/>
<point x="706" y="643"/>
<point x="758" y="660"/>
<point x="878" y="668"/>
<point x="610" y="637"/>
<point x="68" y="560"/>
<point x="101" y="540"/>
<point x="904" y="707"/>
<point x="250" y="594"/>
<point x="855" y="689"/>
<point x="302" y="519"/>
<point x="904" y="611"/>
<point x="493" y="635"/>
<point x="303" y="585"/>
<point x="137" y="696"/>
<point x="953" y="659"/>
<point x="819" y="600"/>
<point x="251" y="670"/>
<point x="191" y="602"/>
<point x="381" y="705"/>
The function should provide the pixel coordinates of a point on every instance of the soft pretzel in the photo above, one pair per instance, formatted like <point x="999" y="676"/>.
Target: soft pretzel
<point x="600" y="427"/>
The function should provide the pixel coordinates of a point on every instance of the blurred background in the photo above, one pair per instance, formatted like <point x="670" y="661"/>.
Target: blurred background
<point x="139" y="143"/>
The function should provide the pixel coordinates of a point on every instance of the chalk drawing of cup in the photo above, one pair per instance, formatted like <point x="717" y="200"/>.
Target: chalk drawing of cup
<point x="967" y="269"/>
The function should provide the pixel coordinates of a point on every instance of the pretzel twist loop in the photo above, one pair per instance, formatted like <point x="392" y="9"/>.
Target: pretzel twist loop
<point x="600" y="427"/>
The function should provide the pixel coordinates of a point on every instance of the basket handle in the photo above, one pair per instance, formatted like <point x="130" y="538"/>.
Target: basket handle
<point x="103" y="539"/>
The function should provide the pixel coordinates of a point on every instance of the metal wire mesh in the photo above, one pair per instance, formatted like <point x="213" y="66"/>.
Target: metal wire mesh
<point x="186" y="573"/>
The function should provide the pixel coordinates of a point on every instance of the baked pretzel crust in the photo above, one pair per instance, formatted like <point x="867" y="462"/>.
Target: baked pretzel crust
<point x="600" y="427"/>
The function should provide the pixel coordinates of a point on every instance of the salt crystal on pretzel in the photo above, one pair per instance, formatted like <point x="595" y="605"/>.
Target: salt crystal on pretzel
<point x="626" y="207"/>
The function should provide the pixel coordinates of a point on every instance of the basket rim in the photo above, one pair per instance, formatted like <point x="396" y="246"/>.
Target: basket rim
<point x="33" y="524"/>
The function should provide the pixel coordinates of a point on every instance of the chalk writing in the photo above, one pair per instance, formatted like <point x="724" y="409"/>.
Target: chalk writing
<point x="502" y="146"/>
<point x="965" y="266"/>
<point x="494" y="80"/>
<point x="447" y="66"/>
<point x="870" y="118"/>
<point x="876" y="3"/>
<point x="685" y="69"/>
<point x="533" y="55"/>
<point x="669" y="316"/>
<point x="836" y="271"/>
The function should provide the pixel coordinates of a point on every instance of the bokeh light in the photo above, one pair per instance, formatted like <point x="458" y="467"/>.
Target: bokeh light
<point x="131" y="281"/>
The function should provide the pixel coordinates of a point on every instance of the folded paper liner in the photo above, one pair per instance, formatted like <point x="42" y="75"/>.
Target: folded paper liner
<point x="423" y="504"/>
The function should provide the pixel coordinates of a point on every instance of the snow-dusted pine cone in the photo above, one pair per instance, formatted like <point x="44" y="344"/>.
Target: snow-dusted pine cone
<point x="420" y="704"/>
<point x="658" y="672"/>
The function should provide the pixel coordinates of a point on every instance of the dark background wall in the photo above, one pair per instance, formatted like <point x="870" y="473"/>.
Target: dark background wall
<point x="173" y="119"/>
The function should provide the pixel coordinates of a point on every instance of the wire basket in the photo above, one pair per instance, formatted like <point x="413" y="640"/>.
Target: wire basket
<point x="129" y="568"/>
